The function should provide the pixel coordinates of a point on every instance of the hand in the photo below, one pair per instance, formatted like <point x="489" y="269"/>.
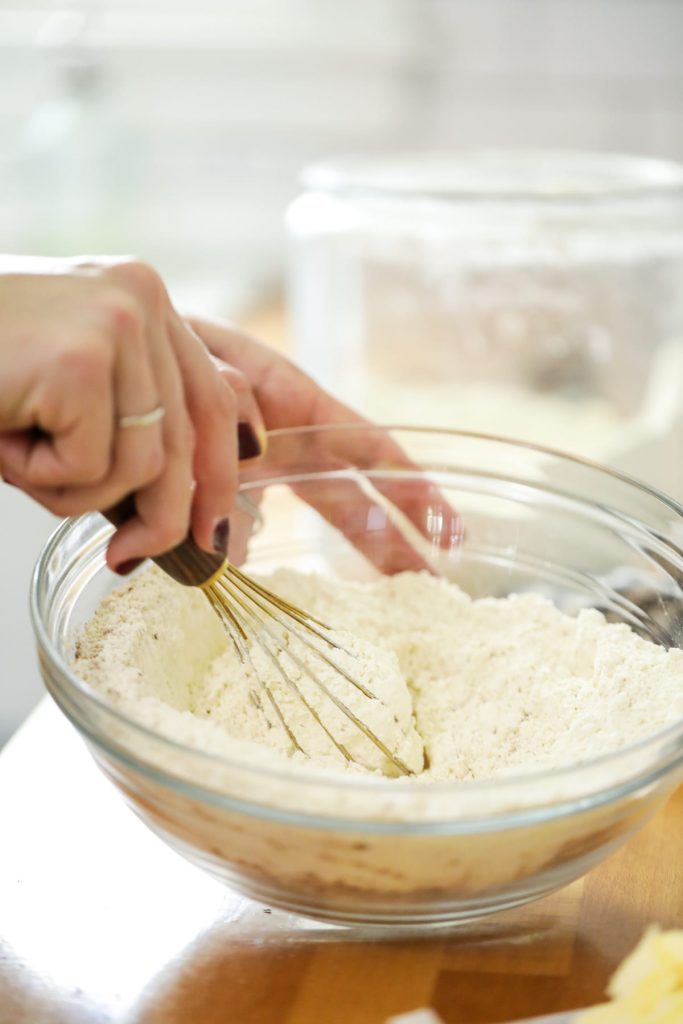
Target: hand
<point x="287" y="398"/>
<point x="83" y="344"/>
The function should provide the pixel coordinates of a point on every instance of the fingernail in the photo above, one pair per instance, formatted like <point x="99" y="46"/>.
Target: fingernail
<point x="221" y="536"/>
<point x="126" y="568"/>
<point x="248" y="444"/>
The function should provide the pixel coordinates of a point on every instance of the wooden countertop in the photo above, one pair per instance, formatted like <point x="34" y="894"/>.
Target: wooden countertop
<point x="101" y="923"/>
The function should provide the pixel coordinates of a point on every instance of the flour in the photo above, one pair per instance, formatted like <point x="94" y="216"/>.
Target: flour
<point x="489" y="687"/>
<point x="237" y="696"/>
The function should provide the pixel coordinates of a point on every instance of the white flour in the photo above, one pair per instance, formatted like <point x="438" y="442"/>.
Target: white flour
<point x="495" y="685"/>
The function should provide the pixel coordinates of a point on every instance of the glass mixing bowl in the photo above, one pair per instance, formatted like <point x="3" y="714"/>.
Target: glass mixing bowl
<point x="398" y="852"/>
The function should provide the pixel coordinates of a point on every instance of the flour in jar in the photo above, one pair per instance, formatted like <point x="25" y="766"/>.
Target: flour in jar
<point x="466" y="689"/>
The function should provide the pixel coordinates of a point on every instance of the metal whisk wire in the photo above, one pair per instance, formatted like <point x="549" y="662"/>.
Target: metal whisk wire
<point x="246" y="608"/>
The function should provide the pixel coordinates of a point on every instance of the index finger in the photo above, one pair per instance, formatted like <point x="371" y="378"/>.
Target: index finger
<point x="390" y="471"/>
<point x="370" y="489"/>
<point x="288" y="399"/>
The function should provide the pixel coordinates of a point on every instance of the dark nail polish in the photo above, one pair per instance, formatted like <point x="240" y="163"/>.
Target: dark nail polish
<point x="125" y="568"/>
<point x="248" y="444"/>
<point x="221" y="536"/>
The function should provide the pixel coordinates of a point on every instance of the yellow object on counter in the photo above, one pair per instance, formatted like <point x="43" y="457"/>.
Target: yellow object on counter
<point x="648" y="987"/>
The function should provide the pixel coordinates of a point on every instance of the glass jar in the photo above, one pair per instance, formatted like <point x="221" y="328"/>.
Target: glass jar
<point x="537" y="295"/>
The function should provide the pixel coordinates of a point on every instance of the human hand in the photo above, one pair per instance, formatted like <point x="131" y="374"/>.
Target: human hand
<point x="86" y="344"/>
<point x="287" y="398"/>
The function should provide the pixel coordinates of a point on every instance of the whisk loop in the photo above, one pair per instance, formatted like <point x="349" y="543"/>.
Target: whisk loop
<point x="248" y="610"/>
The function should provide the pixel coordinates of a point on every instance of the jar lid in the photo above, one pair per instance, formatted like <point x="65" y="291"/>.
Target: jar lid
<point x="508" y="175"/>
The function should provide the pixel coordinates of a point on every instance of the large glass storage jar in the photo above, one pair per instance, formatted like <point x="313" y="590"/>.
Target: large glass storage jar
<point x="533" y="294"/>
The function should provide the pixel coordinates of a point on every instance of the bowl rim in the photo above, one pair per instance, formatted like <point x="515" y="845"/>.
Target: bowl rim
<point x="313" y="775"/>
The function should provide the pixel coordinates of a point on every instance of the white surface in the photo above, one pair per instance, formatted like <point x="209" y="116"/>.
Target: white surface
<point x="25" y="526"/>
<point x="199" y="900"/>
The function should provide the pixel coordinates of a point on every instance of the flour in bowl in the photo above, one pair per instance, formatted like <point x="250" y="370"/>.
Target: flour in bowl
<point x="473" y="688"/>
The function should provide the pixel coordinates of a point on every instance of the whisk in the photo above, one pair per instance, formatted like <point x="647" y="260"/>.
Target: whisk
<point x="251" y="614"/>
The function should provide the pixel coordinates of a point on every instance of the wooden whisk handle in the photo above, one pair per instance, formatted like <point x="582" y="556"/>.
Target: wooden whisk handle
<point x="186" y="563"/>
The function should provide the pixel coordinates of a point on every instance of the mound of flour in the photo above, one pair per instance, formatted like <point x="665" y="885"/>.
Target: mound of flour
<point x="476" y="688"/>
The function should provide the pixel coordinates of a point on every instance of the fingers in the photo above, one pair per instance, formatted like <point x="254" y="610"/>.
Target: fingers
<point x="368" y="525"/>
<point x="163" y="506"/>
<point x="89" y="342"/>
<point x="138" y="451"/>
<point x="212" y="405"/>
<point x="288" y="398"/>
<point x="375" y="450"/>
<point x="134" y="457"/>
<point x="370" y="511"/>
<point x="252" y="439"/>
<point x="74" y="406"/>
<point x="131" y="352"/>
<point x="198" y="479"/>
<point x="393" y="493"/>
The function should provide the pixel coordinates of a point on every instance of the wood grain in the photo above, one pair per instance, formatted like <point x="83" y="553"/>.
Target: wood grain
<point x="101" y="924"/>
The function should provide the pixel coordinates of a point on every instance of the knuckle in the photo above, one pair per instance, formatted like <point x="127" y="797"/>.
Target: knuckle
<point x="122" y="313"/>
<point x="142" y="279"/>
<point x="235" y="379"/>
<point x="86" y="366"/>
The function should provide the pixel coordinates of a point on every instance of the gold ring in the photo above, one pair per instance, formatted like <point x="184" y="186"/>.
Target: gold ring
<point x="146" y="419"/>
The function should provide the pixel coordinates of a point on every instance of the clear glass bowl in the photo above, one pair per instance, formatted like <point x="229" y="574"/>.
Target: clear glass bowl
<point x="399" y="852"/>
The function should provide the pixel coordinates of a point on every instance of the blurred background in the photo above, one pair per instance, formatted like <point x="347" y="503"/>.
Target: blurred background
<point x="177" y="131"/>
